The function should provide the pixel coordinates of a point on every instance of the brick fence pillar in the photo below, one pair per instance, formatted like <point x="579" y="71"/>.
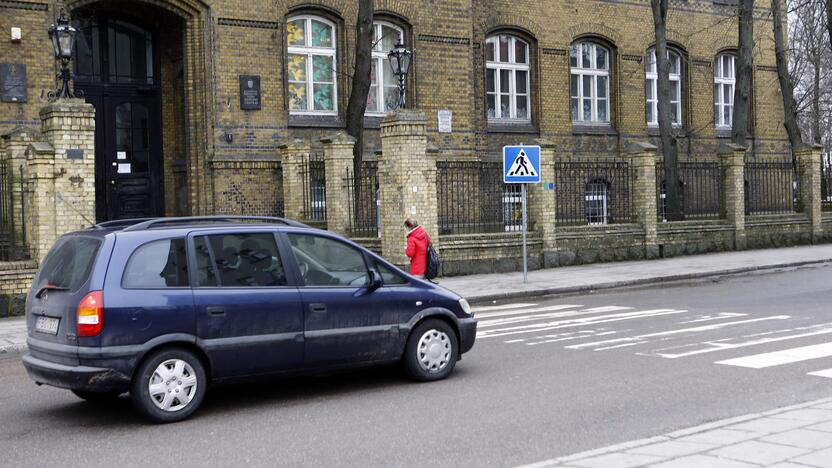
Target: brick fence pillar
<point x="541" y="204"/>
<point x="643" y="162"/>
<point x="407" y="177"/>
<point x="338" y="159"/>
<point x="808" y="183"/>
<point x="732" y="195"/>
<point x="292" y="156"/>
<point x="61" y="174"/>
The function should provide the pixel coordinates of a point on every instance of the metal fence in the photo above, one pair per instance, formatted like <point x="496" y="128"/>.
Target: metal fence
<point x="699" y="183"/>
<point x="592" y="192"/>
<point x="12" y="214"/>
<point x="313" y="175"/>
<point x="473" y="199"/>
<point x="825" y="186"/>
<point x="364" y="215"/>
<point x="770" y="187"/>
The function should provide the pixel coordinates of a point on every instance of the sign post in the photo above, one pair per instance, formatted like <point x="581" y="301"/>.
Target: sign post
<point x="521" y="165"/>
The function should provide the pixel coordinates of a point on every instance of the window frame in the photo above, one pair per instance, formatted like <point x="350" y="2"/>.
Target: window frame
<point x="720" y="82"/>
<point x="652" y="79"/>
<point x="165" y="288"/>
<point x="593" y="72"/>
<point x="308" y="51"/>
<point x="379" y="57"/>
<point x="193" y="264"/>
<point x="512" y="67"/>
<point x="301" y="283"/>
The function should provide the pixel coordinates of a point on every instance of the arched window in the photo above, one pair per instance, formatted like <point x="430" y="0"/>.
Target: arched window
<point x="311" y="65"/>
<point x="384" y="88"/>
<point x="590" y="83"/>
<point x="596" y="202"/>
<point x="507" y="80"/>
<point x="651" y="88"/>
<point x="725" y="79"/>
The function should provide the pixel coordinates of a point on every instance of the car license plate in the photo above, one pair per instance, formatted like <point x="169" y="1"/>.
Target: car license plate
<point x="47" y="325"/>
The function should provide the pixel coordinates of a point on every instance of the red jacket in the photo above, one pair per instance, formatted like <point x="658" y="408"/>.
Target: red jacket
<point x="417" y="249"/>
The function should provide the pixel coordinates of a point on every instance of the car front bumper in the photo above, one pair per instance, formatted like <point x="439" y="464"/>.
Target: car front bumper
<point x="94" y="379"/>
<point x="467" y="334"/>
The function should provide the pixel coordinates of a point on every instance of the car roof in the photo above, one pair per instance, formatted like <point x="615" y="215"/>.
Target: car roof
<point x="190" y="222"/>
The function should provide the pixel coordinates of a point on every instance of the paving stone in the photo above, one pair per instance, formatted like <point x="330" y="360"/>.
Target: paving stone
<point x="762" y="453"/>
<point x="802" y="438"/>
<point x="721" y="437"/>
<point x="618" y="460"/>
<point x="825" y="427"/>
<point x="807" y="414"/>
<point x="703" y="461"/>
<point x="820" y="459"/>
<point x="769" y="425"/>
<point x="672" y="448"/>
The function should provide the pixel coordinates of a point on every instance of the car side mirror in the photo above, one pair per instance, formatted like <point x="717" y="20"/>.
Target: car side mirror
<point x="375" y="280"/>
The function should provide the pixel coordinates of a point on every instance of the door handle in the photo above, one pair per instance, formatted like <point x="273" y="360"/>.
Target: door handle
<point x="320" y="308"/>
<point x="216" y="311"/>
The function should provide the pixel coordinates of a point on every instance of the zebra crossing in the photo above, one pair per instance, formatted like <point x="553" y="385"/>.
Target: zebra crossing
<point x="678" y="334"/>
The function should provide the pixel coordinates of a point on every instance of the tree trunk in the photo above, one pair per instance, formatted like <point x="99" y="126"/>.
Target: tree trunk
<point x="745" y="69"/>
<point x="786" y="85"/>
<point x="357" y="104"/>
<point x="673" y="210"/>
<point x="816" y="96"/>
<point x="829" y="19"/>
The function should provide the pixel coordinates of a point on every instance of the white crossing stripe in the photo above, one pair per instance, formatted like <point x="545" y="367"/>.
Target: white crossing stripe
<point x="577" y="322"/>
<point x="524" y="311"/>
<point x="643" y="338"/>
<point x="719" y="316"/>
<point x="777" y="358"/>
<point x="612" y="308"/>
<point x="723" y="345"/>
<point x="823" y="373"/>
<point x="500" y="307"/>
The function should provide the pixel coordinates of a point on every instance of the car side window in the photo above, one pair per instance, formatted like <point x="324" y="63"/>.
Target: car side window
<point x="238" y="260"/>
<point x="326" y="262"/>
<point x="388" y="276"/>
<point x="158" y="264"/>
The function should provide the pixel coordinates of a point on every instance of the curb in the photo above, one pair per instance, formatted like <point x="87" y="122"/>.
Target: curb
<point x="556" y="291"/>
<point x="670" y="435"/>
<point x="12" y="350"/>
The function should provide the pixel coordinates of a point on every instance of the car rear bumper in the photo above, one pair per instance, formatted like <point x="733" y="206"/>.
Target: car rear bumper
<point x="87" y="378"/>
<point x="467" y="334"/>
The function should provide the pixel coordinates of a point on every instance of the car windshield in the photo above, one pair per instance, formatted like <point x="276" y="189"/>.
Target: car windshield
<point x="68" y="264"/>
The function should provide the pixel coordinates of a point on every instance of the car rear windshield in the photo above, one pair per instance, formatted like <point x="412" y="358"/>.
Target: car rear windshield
<point x="69" y="263"/>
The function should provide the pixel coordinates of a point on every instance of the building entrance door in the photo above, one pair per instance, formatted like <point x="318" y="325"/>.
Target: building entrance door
<point x="116" y="66"/>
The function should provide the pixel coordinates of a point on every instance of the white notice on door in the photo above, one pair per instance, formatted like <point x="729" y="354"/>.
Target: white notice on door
<point x="121" y="154"/>
<point x="124" y="168"/>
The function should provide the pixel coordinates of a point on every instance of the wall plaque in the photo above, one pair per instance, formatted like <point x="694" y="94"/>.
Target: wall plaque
<point x="75" y="154"/>
<point x="445" y="118"/>
<point x="250" y="92"/>
<point x="13" y="82"/>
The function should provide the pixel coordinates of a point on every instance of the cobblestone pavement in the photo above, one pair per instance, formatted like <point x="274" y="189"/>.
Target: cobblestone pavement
<point x="793" y="437"/>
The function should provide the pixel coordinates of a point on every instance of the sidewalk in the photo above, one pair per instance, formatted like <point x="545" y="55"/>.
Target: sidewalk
<point x="795" y="436"/>
<point x="487" y="287"/>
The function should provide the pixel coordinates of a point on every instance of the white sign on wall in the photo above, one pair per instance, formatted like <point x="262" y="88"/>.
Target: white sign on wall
<point x="445" y="121"/>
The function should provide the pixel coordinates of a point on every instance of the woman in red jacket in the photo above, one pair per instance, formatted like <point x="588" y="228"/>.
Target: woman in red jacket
<point x="417" y="247"/>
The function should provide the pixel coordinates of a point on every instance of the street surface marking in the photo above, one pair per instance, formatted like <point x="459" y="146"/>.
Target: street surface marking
<point x="501" y="307"/>
<point x="566" y="337"/>
<point x="608" y="309"/>
<point x="526" y="311"/>
<point x="721" y="345"/>
<point x="823" y="373"/>
<point x="641" y="339"/>
<point x="719" y="316"/>
<point x="580" y="322"/>
<point x="777" y="358"/>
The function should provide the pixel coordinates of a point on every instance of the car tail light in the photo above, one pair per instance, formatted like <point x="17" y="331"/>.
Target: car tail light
<point x="91" y="314"/>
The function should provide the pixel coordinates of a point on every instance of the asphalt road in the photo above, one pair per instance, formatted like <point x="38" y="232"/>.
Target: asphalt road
<point x="583" y="372"/>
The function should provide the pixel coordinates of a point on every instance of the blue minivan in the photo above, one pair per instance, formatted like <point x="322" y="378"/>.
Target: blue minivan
<point x="163" y="308"/>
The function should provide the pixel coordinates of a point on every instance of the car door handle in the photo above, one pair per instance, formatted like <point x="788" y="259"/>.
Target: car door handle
<point x="215" y="311"/>
<point x="320" y="308"/>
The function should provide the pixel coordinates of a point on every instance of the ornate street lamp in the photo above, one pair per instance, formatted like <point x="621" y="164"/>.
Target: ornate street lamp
<point x="62" y="35"/>
<point x="400" y="63"/>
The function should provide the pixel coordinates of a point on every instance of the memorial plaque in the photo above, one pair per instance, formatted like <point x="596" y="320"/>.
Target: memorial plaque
<point x="75" y="154"/>
<point x="13" y="82"/>
<point x="445" y="118"/>
<point x="250" y="92"/>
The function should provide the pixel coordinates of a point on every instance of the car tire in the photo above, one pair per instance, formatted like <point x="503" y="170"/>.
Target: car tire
<point x="431" y="351"/>
<point x="97" y="397"/>
<point x="169" y="385"/>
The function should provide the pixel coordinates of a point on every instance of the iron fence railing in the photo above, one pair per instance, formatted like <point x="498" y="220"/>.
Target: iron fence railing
<point x="12" y="213"/>
<point x="473" y="199"/>
<point x="825" y="186"/>
<point x="313" y="175"/>
<point x="592" y="192"/>
<point x="700" y="183"/>
<point x="364" y="214"/>
<point x="770" y="187"/>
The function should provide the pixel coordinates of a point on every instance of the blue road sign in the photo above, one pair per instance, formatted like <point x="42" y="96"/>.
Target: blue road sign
<point x="521" y="164"/>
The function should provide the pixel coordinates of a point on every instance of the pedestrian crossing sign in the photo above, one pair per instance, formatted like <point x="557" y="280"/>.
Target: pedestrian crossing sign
<point x="521" y="164"/>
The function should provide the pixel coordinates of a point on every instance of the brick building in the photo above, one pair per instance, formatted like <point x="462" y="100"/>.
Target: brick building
<point x="166" y="78"/>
